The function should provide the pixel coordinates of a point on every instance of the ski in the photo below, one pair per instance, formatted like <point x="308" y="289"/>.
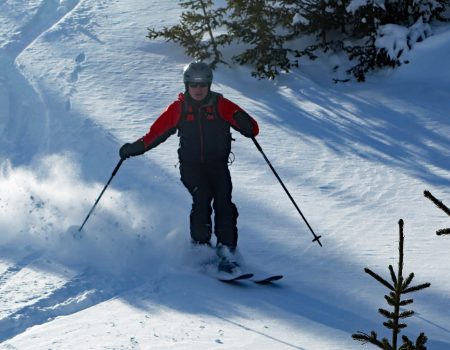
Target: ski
<point x="241" y="277"/>
<point x="249" y="276"/>
<point x="267" y="280"/>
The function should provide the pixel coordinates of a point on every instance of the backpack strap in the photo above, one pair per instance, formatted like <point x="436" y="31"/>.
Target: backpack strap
<point x="184" y="109"/>
<point x="215" y="96"/>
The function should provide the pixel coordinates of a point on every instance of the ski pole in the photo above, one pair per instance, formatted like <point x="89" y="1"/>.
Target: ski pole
<point x="116" y="169"/>
<point x="258" y="146"/>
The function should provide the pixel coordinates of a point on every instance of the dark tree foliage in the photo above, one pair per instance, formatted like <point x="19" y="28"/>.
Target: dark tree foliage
<point x="326" y="20"/>
<point x="368" y="58"/>
<point x="258" y="23"/>
<point x="443" y="207"/>
<point x="319" y="17"/>
<point x="197" y="24"/>
<point x="398" y="287"/>
<point x="364" y="28"/>
<point x="268" y="31"/>
<point x="429" y="10"/>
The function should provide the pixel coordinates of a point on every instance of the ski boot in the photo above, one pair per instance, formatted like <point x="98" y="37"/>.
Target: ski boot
<point x="227" y="260"/>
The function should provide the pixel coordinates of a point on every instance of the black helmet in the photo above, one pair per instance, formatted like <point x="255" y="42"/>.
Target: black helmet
<point x="197" y="72"/>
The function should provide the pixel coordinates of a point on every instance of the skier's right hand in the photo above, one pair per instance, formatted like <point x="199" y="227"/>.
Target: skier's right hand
<point x="132" y="149"/>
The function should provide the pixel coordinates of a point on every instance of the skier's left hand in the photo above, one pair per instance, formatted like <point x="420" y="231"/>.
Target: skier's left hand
<point x="244" y="123"/>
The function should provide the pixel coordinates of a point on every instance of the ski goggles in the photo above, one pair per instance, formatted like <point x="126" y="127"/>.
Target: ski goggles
<point x="195" y="85"/>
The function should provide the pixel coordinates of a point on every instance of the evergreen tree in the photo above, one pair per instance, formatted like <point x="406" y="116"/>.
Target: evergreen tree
<point x="366" y="20"/>
<point x="397" y="288"/>
<point x="440" y="205"/>
<point x="364" y="23"/>
<point x="269" y="29"/>
<point x="258" y="23"/>
<point x="319" y="17"/>
<point x="324" y="19"/>
<point x="429" y="10"/>
<point x="196" y="25"/>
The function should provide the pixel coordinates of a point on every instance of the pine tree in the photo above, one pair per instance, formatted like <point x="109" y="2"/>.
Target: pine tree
<point x="319" y="17"/>
<point x="197" y="24"/>
<point x="269" y="29"/>
<point x="367" y="18"/>
<point x="440" y="205"/>
<point x="429" y="10"/>
<point x="257" y="23"/>
<point x="397" y="288"/>
<point x="364" y="23"/>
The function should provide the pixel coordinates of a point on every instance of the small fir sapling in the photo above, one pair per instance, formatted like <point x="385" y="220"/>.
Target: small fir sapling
<point x="439" y="204"/>
<point x="397" y="288"/>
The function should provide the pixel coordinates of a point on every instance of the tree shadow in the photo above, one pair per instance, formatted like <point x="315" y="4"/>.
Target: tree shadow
<point x="389" y="130"/>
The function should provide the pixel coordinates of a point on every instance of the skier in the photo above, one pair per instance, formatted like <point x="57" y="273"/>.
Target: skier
<point x="203" y="118"/>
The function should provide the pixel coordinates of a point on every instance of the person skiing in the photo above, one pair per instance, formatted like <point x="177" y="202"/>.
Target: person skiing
<point x="203" y="119"/>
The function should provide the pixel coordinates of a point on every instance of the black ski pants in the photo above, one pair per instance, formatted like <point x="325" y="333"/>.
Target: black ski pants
<point x="211" y="183"/>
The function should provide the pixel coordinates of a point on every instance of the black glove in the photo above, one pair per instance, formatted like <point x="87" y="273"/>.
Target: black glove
<point x="132" y="149"/>
<point x="244" y="123"/>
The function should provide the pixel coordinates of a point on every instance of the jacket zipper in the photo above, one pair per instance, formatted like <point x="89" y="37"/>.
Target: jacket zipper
<point x="202" y="156"/>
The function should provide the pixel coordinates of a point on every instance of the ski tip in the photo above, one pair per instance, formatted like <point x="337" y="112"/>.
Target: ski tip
<point x="244" y="276"/>
<point x="269" y="280"/>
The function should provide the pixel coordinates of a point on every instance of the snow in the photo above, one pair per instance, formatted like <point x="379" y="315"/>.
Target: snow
<point x="356" y="4"/>
<point x="398" y="40"/>
<point x="78" y="78"/>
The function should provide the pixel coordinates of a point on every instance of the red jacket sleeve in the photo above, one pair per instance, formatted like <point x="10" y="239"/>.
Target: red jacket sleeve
<point x="164" y="126"/>
<point x="227" y="109"/>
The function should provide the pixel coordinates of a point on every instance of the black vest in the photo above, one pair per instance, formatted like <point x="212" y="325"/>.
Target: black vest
<point x="204" y="135"/>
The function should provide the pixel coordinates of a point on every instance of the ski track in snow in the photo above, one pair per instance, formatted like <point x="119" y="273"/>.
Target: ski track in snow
<point x="13" y="269"/>
<point x="52" y="299"/>
<point x="21" y="101"/>
<point x="253" y="314"/>
<point x="75" y="294"/>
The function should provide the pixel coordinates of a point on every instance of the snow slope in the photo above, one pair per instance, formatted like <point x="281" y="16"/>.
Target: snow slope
<point x="78" y="78"/>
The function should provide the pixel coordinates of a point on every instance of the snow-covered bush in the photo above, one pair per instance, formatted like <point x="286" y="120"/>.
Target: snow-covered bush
<point x="385" y="32"/>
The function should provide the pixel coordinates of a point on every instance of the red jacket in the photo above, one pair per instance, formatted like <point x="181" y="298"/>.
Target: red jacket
<point x="204" y="130"/>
